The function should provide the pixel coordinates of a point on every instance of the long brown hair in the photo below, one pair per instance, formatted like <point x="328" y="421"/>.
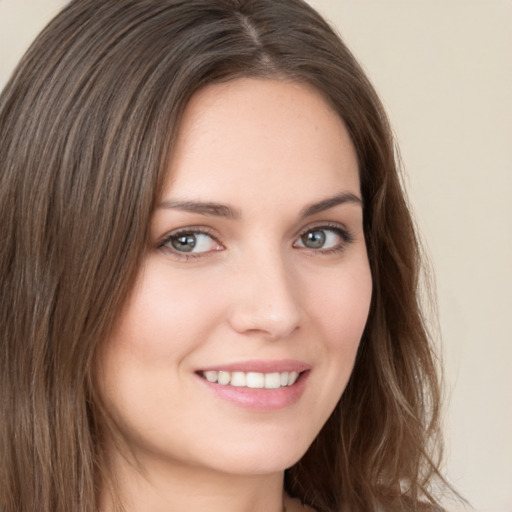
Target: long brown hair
<point x="87" y="124"/>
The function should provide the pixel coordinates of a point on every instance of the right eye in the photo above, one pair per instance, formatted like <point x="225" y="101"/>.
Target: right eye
<point x="191" y="242"/>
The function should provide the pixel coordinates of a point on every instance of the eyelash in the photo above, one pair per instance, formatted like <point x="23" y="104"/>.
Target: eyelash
<point x="346" y="236"/>
<point x="186" y="231"/>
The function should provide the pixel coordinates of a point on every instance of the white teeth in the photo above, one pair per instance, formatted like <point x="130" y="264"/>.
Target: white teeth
<point x="292" y="377"/>
<point x="238" y="379"/>
<point x="224" y="378"/>
<point x="273" y="380"/>
<point x="211" y="376"/>
<point x="255" y="380"/>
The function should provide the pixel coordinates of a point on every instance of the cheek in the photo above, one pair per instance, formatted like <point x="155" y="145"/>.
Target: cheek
<point x="338" y="310"/>
<point x="165" y="317"/>
<point x="341" y="307"/>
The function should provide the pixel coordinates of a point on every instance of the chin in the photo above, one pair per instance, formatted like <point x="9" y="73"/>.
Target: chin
<point x="264" y="457"/>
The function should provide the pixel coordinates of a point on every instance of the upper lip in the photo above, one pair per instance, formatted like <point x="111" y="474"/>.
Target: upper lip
<point x="260" y="366"/>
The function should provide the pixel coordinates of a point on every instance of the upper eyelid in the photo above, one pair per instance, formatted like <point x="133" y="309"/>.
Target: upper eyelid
<point x="189" y="229"/>
<point x="171" y="252"/>
<point x="347" y="235"/>
<point x="324" y="225"/>
<point x="212" y="234"/>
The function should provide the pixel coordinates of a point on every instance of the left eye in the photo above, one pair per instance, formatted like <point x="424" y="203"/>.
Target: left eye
<point x="191" y="242"/>
<point x="322" y="238"/>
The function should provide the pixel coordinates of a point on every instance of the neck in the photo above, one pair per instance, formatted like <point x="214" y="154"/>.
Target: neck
<point x="169" y="488"/>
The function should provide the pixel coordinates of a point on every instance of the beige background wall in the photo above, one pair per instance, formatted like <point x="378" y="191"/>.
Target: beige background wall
<point x="444" y="71"/>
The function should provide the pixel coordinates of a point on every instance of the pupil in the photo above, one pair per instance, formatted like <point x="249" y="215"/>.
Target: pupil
<point x="184" y="243"/>
<point x="314" y="239"/>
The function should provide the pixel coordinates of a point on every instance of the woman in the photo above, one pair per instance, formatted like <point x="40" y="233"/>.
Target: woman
<point x="209" y="270"/>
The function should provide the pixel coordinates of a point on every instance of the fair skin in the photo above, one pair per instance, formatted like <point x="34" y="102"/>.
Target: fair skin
<point x="271" y="280"/>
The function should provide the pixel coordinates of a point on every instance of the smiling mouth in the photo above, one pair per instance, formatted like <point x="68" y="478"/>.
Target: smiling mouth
<point x="254" y="380"/>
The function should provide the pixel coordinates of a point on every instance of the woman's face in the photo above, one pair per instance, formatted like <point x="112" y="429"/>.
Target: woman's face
<point x="257" y="272"/>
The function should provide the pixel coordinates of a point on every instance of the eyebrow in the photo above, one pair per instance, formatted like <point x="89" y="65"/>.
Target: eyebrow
<point x="330" y="202"/>
<point x="223" y="210"/>
<point x="203" y="208"/>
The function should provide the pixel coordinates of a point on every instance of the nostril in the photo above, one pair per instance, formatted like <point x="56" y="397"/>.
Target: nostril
<point x="264" y="299"/>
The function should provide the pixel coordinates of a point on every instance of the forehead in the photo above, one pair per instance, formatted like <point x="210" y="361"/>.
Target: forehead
<point x="261" y="135"/>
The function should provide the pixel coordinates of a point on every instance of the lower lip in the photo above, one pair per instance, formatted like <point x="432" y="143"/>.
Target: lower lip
<point x="260" y="398"/>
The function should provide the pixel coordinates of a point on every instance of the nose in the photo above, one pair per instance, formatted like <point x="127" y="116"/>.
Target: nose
<point x="265" y="298"/>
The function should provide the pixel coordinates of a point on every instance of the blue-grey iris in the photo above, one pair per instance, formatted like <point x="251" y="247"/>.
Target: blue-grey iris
<point x="314" y="239"/>
<point x="184" y="243"/>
